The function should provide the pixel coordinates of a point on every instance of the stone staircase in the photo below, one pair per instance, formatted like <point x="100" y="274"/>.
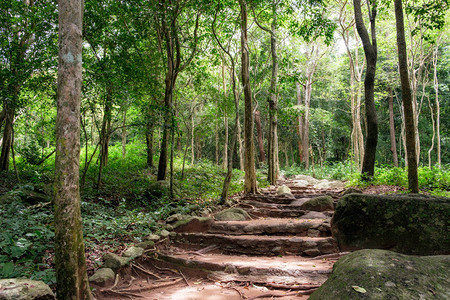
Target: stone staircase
<point x="281" y="247"/>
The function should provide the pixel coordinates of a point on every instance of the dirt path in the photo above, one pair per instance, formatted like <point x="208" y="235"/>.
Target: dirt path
<point x="284" y="252"/>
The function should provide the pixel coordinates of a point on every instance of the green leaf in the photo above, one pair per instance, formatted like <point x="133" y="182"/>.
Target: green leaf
<point x="359" y="289"/>
<point x="7" y="269"/>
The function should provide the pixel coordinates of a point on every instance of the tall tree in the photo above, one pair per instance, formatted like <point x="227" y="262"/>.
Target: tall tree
<point x="249" y="158"/>
<point x="413" y="180"/>
<point x="272" y="100"/>
<point x="173" y="36"/>
<point x="370" y="51"/>
<point x="71" y="276"/>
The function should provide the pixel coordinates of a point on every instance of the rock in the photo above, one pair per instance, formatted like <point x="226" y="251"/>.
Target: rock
<point x="232" y="214"/>
<point x="152" y="237"/>
<point x="115" y="261"/>
<point x="320" y="203"/>
<point x="25" y="194"/>
<point x="301" y="183"/>
<point x="169" y="227"/>
<point x="352" y="191"/>
<point x="146" y="245"/>
<point x="283" y="190"/>
<point x="24" y="289"/>
<point x="308" y="179"/>
<point x="409" y="224"/>
<point x="325" y="184"/>
<point x="311" y="252"/>
<point x="164" y="233"/>
<point x="387" y="275"/>
<point x="193" y="224"/>
<point x="313" y="215"/>
<point x="103" y="277"/>
<point x="133" y="252"/>
<point x="176" y="217"/>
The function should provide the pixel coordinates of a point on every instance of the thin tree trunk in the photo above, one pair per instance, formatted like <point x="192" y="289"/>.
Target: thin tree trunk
<point x="192" y="138"/>
<point x="70" y="262"/>
<point x="124" y="134"/>
<point x="149" y="142"/>
<point x="262" y="155"/>
<point x="437" y="104"/>
<point x="7" y="139"/>
<point x="413" y="182"/>
<point x="434" y="132"/>
<point x="300" y="121"/>
<point x="249" y="159"/>
<point x="370" y="51"/>
<point x="392" y="128"/>
<point x="225" y="118"/>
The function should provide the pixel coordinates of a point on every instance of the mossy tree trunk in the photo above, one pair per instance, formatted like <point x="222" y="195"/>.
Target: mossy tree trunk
<point x="71" y="277"/>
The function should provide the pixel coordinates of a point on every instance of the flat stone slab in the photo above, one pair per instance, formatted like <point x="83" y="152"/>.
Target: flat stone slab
<point x="262" y="245"/>
<point x="298" y="227"/>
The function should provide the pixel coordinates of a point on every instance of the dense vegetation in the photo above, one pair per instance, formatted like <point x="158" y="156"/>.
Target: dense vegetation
<point x="162" y="98"/>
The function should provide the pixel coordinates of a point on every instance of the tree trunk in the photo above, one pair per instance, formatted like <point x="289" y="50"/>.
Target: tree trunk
<point x="438" y="108"/>
<point x="300" y="121"/>
<point x="262" y="154"/>
<point x="7" y="139"/>
<point x="413" y="181"/>
<point x="70" y="264"/>
<point x="249" y="159"/>
<point x="124" y="134"/>
<point x="149" y="142"/>
<point x="105" y="135"/>
<point x="370" y="51"/>
<point x="192" y="138"/>
<point x="225" y="119"/>
<point x="392" y="128"/>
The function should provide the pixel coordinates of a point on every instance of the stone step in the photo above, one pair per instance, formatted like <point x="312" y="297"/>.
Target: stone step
<point x="271" y="210"/>
<point x="285" y="270"/>
<point x="260" y="245"/>
<point x="298" y="227"/>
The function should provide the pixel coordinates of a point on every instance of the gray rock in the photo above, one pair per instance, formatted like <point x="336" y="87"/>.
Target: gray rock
<point x="283" y="190"/>
<point x="176" y="217"/>
<point x="232" y="214"/>
<point x="115" y="261"/>
<point x="169" y="227"/>
<point x="164" y="233"/>
<point x="301" y="183"/>
<point x="409" y="224"/>
<point x="387" y="275"/>
<point x="352" y="191"/>
<point x="103" y="277"/>
<point x="326" y="184"/>
<point x="24" y="289"/>
<point x="308" y="179"/>
<point x="146" y="245"/>
<point x="133" y="252"/>
<point x="320" y="203"/>
<point x="193" y="224"/>
<point x="152" y="237"/>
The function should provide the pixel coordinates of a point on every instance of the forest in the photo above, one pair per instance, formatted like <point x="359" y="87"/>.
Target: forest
<point x="180" y="105"/>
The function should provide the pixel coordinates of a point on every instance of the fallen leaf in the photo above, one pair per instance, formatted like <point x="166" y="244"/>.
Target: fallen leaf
<point x="359" y="289"/>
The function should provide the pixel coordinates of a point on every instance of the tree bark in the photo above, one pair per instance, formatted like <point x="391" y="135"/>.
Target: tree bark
<point x="124" y="134"/>
<point x="392" y="128"/>
<point x="262" y="154"/>
<point x="70" y="265"/>
<point x="149" y="142"/>
<point x="413" y="180"/>
<point x="438" y="107"/>
<point x="370" y="51"/>
<point x="249" y="159"/>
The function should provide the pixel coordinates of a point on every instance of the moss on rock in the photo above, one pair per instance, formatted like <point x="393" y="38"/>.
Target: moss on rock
<point x="232" y="214"/>
<point x="193" y="224"/>
<point x="387" y="275"/>
<point x="320" y="203"/>
<point x="410" y="224"/>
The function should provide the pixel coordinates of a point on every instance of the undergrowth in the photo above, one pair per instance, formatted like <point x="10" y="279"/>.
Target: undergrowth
<point x="123" y="211"/>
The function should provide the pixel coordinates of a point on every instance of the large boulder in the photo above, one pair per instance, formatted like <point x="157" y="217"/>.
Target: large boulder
<point x="320" y="203"/>
<point x="410" y="224"/>
<point x="193" y="224"/>
<point x="283" y="190"/>
<point x="24" y="289"/>
<point x="380" y="274"/>
<point x="114" y="261"/>
<point x="232" y="214"/>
